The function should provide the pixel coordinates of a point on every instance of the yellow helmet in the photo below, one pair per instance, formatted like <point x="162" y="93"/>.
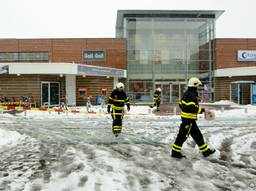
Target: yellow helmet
<point x="194" y="82"/>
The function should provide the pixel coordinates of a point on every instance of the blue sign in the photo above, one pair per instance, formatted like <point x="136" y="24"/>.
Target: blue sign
<point x="254" y="89"/>
<point x="246" y="55"/>
<point x="101" y="71"/>
<point x="92" y="55"/>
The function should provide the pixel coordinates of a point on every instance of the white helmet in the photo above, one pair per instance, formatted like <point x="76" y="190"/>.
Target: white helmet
<point x="120" y="86"/>
<point x="194" y="82"/>
<point x="158" y="89"/>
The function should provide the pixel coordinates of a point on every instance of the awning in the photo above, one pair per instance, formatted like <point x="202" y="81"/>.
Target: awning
<point x="62" y="69"/>
<point x="237" y="71"/>
<point x="243" y="82"/>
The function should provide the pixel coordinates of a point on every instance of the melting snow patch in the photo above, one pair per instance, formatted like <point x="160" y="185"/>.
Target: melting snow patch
<point x="10" y="138"/>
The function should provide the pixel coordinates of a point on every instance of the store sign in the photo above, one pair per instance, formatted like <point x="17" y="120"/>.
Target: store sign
<point x="92" y="55"/>
<point x="101" y="71"/>
<point x="246" y="55"/>
<point x="4" y="69"/>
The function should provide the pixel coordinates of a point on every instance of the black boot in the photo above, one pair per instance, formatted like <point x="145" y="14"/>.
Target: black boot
<point x="178" y="155"/>
<point x="208" y="152"/>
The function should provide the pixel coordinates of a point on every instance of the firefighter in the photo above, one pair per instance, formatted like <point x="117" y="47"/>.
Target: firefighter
<point x="189" y="109"/>
<point x="157" y="99"/>
<point x="117" y="102"/>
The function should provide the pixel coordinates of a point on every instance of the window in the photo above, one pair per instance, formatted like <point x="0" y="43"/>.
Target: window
<point x="23" y="56"/>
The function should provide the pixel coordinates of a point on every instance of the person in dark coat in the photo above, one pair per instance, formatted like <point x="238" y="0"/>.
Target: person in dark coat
<point x="189" y="109"/>
<point x="116" y="105"/>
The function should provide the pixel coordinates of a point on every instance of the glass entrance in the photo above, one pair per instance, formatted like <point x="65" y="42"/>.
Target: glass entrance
<point x="171" y="92"/>
<point x="177" y="90"/>
<point x="241" y="92"/>
<point x="165" y="95"/>
<point x="50" y="94"/>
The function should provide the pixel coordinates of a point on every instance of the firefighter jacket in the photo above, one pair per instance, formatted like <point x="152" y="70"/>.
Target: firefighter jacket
<point x="157" y="96"/>
<point x="118" y="100"/>
<point x="189" y="104"/>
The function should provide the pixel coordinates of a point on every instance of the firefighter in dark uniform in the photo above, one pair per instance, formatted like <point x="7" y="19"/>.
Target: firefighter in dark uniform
<point x="117" y="102"/>
<point x="189" y="109"/>
<point x="157" y="99"/>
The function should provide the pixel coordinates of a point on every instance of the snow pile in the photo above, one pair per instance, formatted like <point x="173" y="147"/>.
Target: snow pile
<point x="10" y="138"/>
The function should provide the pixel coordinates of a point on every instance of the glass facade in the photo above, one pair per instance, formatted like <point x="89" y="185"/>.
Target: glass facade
<point x="165" y="51"/>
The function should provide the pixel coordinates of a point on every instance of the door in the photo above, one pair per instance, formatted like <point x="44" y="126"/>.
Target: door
<point x="165" y="94"/>
<point x="50" y="94"/>
<point x="176" y="91"/>
<point x="253" y="94"/>
<point x="45" y="94"/>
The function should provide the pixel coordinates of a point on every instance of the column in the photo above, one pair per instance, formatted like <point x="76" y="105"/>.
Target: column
<point x="71" y="89"/>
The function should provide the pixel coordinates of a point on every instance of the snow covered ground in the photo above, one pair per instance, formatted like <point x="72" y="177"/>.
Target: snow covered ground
<point x="43" y="151"/>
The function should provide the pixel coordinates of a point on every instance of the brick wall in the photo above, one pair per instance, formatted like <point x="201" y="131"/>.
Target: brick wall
<point x="222" y="86"/>
<point x="226" y="52"/>
<point x="70" y="50"/>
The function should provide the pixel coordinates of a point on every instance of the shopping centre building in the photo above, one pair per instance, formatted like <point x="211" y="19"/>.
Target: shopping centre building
<point x="152" y="48"/>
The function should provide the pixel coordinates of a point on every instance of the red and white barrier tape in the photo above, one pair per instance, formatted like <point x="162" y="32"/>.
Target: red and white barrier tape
<point x="9" y="107"/>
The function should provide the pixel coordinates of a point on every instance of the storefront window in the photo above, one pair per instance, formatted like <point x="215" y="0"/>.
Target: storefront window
<point x="23" y="56"/>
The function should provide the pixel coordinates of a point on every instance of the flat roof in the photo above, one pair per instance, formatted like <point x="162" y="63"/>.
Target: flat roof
<point x="203" y="14"/>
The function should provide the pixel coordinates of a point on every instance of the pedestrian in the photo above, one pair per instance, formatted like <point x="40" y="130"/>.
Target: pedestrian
<point x="117" y="101"/>
<point x="157" y="99"/>
<point x="189" y="109"/>
<point x="88" y="104"/>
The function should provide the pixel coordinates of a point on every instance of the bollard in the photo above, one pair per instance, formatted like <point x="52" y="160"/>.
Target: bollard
<point x="174" y="111"/>
<point x="246" y="110"/>
<point x="25" y="113"/>
<point x="222" y="109"/>
<point x="149" y="111"/>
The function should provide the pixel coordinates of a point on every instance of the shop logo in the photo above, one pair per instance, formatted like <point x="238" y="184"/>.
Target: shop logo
<point x="246" y="55"/>
<point x="92" y="55"/>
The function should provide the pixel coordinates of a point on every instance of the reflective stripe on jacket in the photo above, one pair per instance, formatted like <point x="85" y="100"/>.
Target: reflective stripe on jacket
<point x="189" y="105"/>
<point x="118" y="100"/>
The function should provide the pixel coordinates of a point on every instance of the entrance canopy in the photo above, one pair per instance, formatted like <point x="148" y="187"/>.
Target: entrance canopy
<point x="243" y="82"/>
<point x="61" y="69"/>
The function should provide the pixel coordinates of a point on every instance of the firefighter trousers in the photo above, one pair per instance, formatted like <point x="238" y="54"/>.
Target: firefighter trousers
<point x="156" y="104"/>
<point x="117" y="116"/>
<point x="189" y="127"/>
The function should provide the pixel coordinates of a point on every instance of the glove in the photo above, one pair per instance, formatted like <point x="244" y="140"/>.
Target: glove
<point x="128" y="107"/>
<point x="109" y="108"/>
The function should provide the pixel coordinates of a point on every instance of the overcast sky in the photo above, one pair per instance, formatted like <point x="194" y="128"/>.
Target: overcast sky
<point x="97" y="18"/>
